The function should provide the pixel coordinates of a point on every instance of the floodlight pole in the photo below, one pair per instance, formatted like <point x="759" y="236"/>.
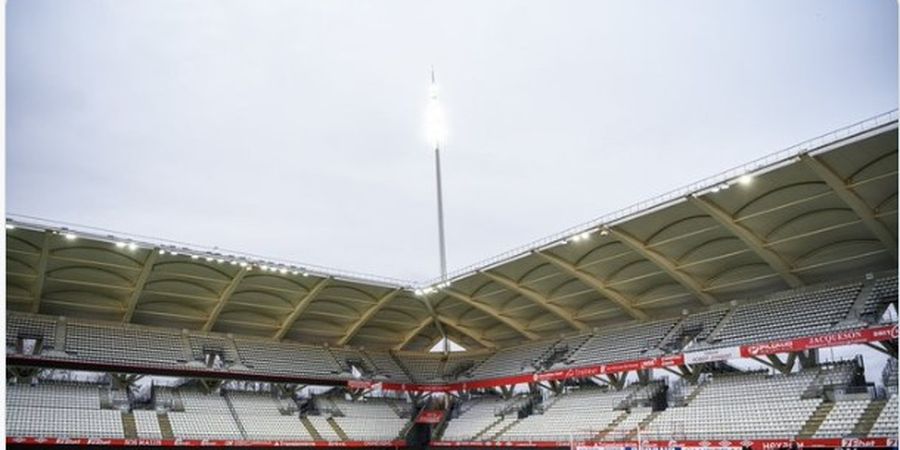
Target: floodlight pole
<point x="440" y="197"/>
<point x="442" y="245"/>
<point x="440" y="213"/>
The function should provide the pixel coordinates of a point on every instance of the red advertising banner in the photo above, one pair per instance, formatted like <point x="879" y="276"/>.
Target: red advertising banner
<point x="430" y="416"/>
<point x="43" y="442"/>
<point x="755" y="444"/>
<point x="852" y="337"/>
<point x="363" y="384"/>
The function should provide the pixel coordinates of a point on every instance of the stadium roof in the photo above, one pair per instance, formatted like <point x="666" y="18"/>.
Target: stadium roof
<point x="823" y="209"/>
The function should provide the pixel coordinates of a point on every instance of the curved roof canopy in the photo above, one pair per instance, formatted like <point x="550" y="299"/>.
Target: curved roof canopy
<point x="822" y="210"/>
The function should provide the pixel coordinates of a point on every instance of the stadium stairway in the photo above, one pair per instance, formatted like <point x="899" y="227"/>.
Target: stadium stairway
<point x="402" y="367"/>
<point x="643" y="425"/>
<point x="401" y="436"/>
<point x="235" y="415"/>
<point x="310" y="428"/>
<point x="505" y="428"/>
<point x="165" y="426"/>
<point x="609" y="428"/>
<point x="868" y="418"/>
<point x="337" y="429"/>
<point x="713" y="335"/>
<point x="129" y="427"/>
<point x="815" y="420"/>
<point x="488" y="428"/>
<point x="694" y="393"/>
<point x="399" y="412"/>
<point x="855" y="312"/>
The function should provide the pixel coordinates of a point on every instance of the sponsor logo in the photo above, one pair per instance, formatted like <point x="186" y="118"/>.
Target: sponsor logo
<point x="837" y="337"/>
<point x="853" y="442"/>
<point x="774" y="347"/>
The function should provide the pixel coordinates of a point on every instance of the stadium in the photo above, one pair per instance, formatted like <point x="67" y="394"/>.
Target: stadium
<point x="697" y="319"/>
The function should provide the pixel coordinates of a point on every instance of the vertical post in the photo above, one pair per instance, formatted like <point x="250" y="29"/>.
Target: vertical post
<point x="440" y="206"/>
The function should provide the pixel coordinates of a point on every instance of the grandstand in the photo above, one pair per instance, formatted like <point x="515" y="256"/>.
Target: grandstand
<point x="639" y="325"/>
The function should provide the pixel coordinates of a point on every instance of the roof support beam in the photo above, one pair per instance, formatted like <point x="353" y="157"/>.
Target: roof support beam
<point x="537" y="298"/>
<point x="37" y="289"/>
<point x="301" y="306"/>
<point x="223" y="298"/>
<point x="489" y="310"/>
<point x="751" y="240"/>
<point x="414" y="332"/>
<point x="142" y="278"/>
<point x="851" y="199"/>
<point x="385" y="299"/>
<point x="475" y="336"/>
<point x="664" y="264"/>
<point x="598" y="285"/>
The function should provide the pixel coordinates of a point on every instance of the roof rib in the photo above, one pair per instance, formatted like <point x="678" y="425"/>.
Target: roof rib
<point x="414" y="332"/>
<point x="751" y="240"/>
<point x="595" y="283"/>
<point x="385" y="299"/>
<point x="491" y="311"/>
<point x="301" y="306"/>
<point x="475" y="336"/>
<point x="223" y="298"/>
<point x="664" y="264"/>
<point x="537" y="298"/>
<point x="840" y="188"/>
<point x="38" y="286"/>
<point x="142" y="278"/>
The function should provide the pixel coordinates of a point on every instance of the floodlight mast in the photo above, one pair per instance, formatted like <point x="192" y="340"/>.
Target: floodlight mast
<point x="436" y="132"/>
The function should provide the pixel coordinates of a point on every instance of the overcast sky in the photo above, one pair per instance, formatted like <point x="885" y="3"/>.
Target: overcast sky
<point x="295" y="128"/>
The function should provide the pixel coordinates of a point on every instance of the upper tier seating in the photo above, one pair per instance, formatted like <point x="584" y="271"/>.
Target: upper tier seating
<point x="199" y="342"/>
<point x="29" y="325"/>
<point x="385" y="364"/>
<point x="623" y="344"/>
<point x="695" y="327"/>
<point x="123" y="344"/>
<point x="802" y="312"/>
<point x="884" y="292"/>
<point x="512" y="360"/>
<point x="287" y="358"/>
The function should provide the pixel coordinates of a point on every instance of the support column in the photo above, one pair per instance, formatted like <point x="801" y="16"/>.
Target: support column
<point x="60" y="334"/>
<point x="808" y="358"/>
<point x="186" y="351"/>
<point x="238" y="361"/>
